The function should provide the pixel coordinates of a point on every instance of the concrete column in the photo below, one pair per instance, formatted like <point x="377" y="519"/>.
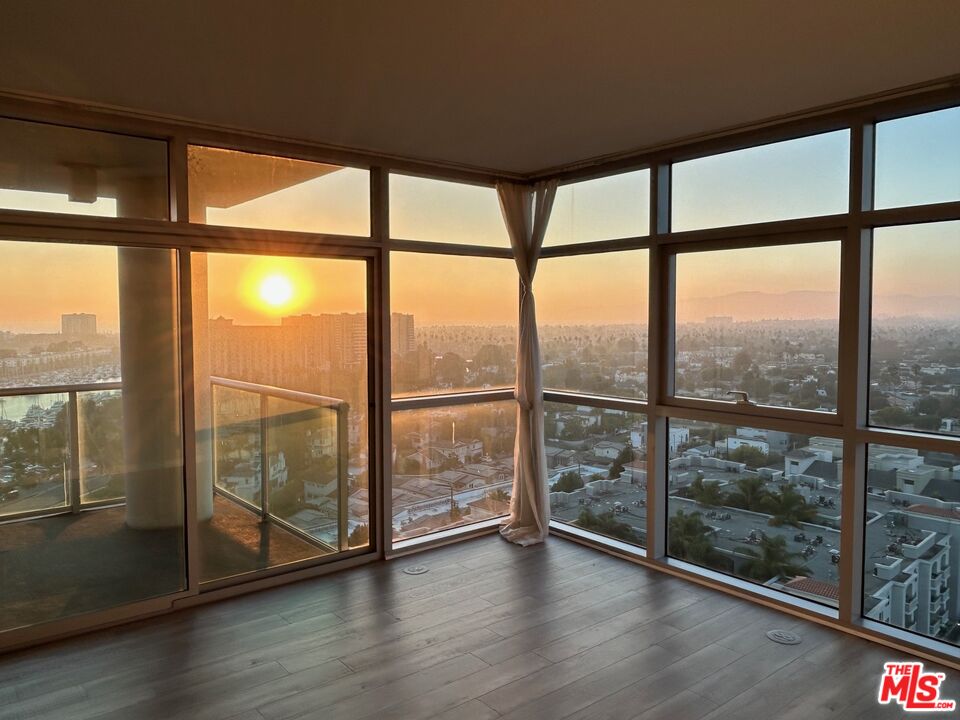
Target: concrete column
<point x="152" y="431"/>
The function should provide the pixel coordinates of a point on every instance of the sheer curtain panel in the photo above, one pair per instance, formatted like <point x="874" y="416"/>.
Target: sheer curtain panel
<point x="526" y="211"/>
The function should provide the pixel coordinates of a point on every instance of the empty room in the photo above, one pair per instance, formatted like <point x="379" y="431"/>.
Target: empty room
<point x="467" y="360"/>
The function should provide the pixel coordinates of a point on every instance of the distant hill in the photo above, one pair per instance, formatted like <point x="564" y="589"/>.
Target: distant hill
<point x="808" y="304"/>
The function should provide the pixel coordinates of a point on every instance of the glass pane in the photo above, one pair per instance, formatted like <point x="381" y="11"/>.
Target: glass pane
<point x="597" y="470"/>
<point x="761" y="320"/>
<point x="106" y="352"/>
<point x="592" y="317"/>
<point x="280" y="371"/>
<point x="34" y="453"/>
<point x="242" y="189"/>
<point x="912" y="534"/>
<point x="454" y="325"/>
<point x="54" y="169"/>
<point x="781" y="181"/>
<point x="617" y="206"/>
<point x="918" y="159"/>
<point x="447" y="212"/>
<point x="451" y="466"/>
<point x="237" y="438"/>
<point x="309" y="483"/>
<point x="101" y="446"/>
<point x="915" y="336"/>
<point x="762" y="505"/>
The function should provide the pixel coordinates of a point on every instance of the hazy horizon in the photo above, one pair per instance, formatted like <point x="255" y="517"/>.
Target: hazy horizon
<point x="914" y="267"/>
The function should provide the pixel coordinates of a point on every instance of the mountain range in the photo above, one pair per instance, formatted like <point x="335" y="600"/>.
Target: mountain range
<point x="809" y="304"/>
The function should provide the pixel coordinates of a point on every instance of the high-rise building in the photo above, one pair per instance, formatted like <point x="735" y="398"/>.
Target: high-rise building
<point x="340" y="339"/>
<point x="402" y="333"/>
<point x="78" y="324"/>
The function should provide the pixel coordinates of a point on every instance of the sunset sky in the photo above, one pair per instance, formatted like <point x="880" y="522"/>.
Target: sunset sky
<point x="580" y="289"/>
<point x="337" y="203"/>
<point x="318" y="285"/>
<point x="917" y="159"/>
<point x="41" y="281"/>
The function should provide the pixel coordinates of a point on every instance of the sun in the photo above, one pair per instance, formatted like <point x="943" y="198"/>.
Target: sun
<point x="276" y="290"/>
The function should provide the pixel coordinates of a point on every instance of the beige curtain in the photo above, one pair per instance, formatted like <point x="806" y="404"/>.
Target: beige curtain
<point x="526" y="211"/>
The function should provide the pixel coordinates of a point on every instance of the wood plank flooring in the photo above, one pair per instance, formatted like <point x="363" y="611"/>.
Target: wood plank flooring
<point x="491" y="631"/>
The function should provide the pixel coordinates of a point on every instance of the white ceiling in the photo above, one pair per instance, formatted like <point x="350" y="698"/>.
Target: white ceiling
<point x="512" y="85"/>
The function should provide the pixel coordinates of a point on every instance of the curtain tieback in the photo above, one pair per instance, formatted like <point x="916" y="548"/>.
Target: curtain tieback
<point x="523" y="400"/>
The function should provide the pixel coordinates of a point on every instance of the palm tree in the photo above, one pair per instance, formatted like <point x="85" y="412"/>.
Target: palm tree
<point x="789" y="508"/>
<point x="750" y="494"/>
<point x="689" y="539"/>
<point x="772" y="560"/>
<point x="606" y="524"/>
<point x="500" y="495"/>
<point x="706" y="493"/>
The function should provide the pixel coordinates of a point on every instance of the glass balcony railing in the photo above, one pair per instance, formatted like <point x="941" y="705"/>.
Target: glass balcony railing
<point x="60" y="449"/>
<point x="283" y="454"/>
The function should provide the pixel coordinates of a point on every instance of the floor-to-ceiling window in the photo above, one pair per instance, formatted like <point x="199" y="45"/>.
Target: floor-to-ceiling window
<point x="453" y="329"/>
<point x="792" y="428"/>
<point x="91" y="453"/>
<point x="281" y="367"/>
<point x="911" y="316"/>
<point x="592" y="314"/>
<point x="756" y="326"/>
<point x="750" y="361"/>
<point x="101" y="515"/>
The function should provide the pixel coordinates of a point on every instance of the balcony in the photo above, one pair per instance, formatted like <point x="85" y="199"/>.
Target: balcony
<point x="253" y="422"/>
<point x="65" y="541"/>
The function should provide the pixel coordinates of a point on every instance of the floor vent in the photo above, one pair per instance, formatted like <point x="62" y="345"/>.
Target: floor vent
<point x="784" y="637"/>
<point x="416" y="570"/>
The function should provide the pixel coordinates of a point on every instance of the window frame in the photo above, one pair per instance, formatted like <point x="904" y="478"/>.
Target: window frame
<point x="856" y="226"/>
<point x="428" y="400"/>
<point x="853" y="230"/>
<point x="667" y="349"/>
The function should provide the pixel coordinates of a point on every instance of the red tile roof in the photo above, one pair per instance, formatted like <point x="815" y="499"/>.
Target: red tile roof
<point x="937" y="511"/>
<point x="814" y="587"/>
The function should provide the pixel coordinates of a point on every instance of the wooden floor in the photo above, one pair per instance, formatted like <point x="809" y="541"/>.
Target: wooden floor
<point x="492" y="630"/>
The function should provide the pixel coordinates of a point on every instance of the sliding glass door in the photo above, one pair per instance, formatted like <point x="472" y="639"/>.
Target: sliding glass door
<point x="91" y="442"/>
<point x="281" y="390"/>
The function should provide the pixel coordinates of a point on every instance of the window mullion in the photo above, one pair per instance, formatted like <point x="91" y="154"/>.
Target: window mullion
<point x="853" y="369"/>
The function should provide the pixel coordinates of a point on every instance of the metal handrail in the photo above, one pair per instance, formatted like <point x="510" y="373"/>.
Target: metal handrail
<point x="59" y="389"/>
<point x="338" y="405"/>
<point x="277" y="392"/>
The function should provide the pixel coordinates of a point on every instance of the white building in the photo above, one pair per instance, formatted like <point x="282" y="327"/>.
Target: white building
<point x="320" y="496"/>
<point x="677" y="437"/>
<point x="920" y="588"/>
<point x="244" y="480"/>
<point x="608" y="449"/>
<point x="735" y="443"/>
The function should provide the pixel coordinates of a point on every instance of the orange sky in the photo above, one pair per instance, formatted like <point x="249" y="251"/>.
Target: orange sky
<point x="43" y="280"/>
<point x="455" y="290"/>
<point x="319" y="285"/>
<point x="337" y="203"/>
<point x="582" y="288"/>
